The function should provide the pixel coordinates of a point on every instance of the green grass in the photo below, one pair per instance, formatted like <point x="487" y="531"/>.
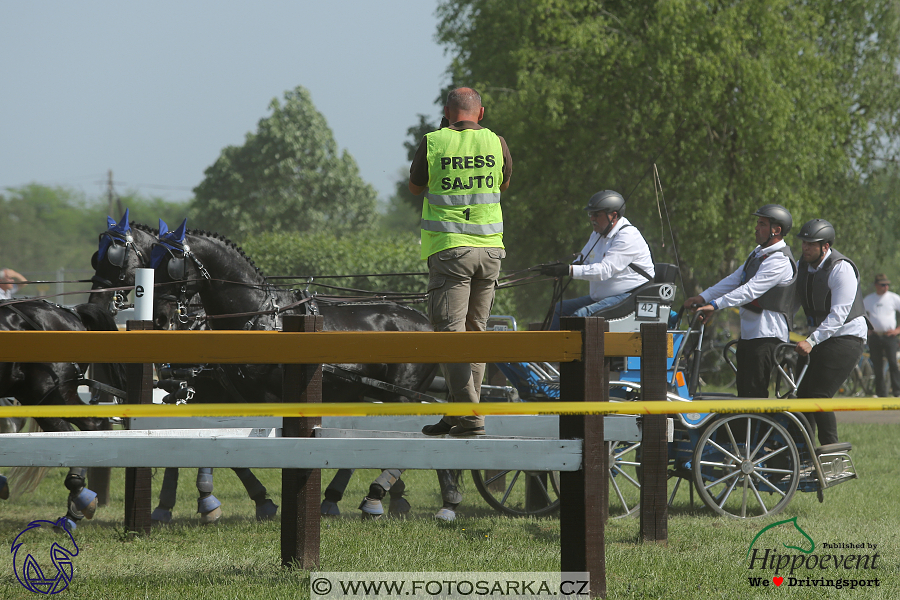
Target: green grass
<point x="240" y="558"/>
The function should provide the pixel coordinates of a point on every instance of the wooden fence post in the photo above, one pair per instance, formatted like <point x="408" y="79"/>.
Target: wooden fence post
<point x="584" y="494"/>
<point x="301" y="488"/>
<point x="654" y="445"/>
<point x="139" y="390"/>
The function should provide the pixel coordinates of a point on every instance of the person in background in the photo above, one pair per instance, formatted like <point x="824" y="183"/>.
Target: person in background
<point x="882" y="307"/>
<point x="829" y="291"/>
<point x="10" y="283"/>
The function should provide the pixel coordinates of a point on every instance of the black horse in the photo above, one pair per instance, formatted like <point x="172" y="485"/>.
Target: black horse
<point x="125" y="247"/>
<point x="57" y="383"/>
<point x="236" y="295"/>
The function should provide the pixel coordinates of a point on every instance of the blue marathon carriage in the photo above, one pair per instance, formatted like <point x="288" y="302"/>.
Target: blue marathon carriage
<point x="743" y="465"/>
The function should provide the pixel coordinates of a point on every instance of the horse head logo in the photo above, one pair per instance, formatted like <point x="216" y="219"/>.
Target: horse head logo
<point x="796" y="527"/>
<point x="27" y="568"/>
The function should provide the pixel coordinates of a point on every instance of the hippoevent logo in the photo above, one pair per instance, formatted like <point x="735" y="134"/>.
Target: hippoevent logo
<point x="774" y="562"/>
<point x="39" y="539"/>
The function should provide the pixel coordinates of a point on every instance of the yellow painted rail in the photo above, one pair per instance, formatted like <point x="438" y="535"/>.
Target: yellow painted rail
<point x="304" y="348"/>
<point x="743" y="405"/>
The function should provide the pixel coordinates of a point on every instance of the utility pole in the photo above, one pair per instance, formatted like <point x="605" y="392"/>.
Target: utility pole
<point x="113" y="197"/>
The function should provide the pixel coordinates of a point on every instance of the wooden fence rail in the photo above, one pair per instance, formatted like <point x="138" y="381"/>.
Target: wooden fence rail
<point x="583" y="350"/>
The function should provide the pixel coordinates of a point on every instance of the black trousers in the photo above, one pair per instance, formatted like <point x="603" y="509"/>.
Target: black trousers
<point x="755" y="361"/>
<point x="881" y="348"/>
<point x="830" y="363"/>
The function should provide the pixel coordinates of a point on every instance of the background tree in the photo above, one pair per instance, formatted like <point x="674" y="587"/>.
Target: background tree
<point x="749" y="102"/>
<point x="288" y="176"/>
<point x="46" y="229"/>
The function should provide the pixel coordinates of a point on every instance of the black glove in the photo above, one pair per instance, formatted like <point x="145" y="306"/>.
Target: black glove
<point x="555" y="270"/>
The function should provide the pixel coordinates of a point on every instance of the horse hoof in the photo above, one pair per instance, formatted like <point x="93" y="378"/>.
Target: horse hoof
<point x="86" y="502"/>
<point x="371" y="508"/>
<point x="266" y="511"/>
<point x="399" y="507"/>
<point x="161" y="516"/>
<point x="4" y="488"/>
<point x="208" y="518"/>
<point x="329" y="509"/>
<point x="445" y="514"/>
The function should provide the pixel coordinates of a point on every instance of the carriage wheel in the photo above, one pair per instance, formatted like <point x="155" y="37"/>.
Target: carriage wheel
<point x="746" y="466"/>
<point x="519" y="493"/>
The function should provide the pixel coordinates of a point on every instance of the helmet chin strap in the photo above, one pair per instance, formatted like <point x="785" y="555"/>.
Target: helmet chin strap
<point x="610" y="225"/>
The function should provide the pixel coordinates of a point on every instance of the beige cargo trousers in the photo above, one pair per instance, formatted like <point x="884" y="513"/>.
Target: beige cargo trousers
<point x="461" y="284"/>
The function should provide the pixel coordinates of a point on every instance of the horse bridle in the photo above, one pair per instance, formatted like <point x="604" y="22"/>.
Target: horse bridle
<point x="175" y="268"/>
<point x="116" y="254"/>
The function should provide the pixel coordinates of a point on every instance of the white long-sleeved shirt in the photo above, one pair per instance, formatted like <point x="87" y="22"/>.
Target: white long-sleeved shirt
<point x="774" y="270"/>
<point x="606" y="260"/>
<point x="843" y="284"/>
<point x="882" y="310"/>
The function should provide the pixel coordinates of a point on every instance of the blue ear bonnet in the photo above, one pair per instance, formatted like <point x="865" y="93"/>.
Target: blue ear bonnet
<point x="168" y="243"/>
<point x="119" y="230"/>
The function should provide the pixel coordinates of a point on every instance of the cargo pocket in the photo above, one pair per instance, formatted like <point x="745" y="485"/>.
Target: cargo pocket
<point x="438" y="304"/>
<point x="496" y="253"/>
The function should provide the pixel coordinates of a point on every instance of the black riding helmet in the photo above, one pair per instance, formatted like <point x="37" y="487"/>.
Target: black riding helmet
<point x="606" y="201"/>
<point x="817" y="230"/>
<point x="777" y="215"/>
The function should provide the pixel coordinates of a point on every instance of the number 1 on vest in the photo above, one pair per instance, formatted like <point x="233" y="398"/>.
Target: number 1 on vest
<point x="466" y="212"/>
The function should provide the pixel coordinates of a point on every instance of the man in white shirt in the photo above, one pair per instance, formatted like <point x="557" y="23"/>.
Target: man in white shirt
<point x="882" y="308"/>
<point x="764" y="289"/>
<point x="829" y="291"/>
<point x="8" y="280"/>
<point x="616" y="260"/>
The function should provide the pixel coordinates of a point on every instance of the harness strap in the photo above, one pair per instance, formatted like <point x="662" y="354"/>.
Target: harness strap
<point x="24" y="317"/>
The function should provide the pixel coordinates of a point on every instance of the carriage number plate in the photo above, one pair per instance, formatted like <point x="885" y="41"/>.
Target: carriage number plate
<point x="647" y="310"/>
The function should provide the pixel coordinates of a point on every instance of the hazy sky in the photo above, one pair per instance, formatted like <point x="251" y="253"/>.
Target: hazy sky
<point x="155" y="90"/>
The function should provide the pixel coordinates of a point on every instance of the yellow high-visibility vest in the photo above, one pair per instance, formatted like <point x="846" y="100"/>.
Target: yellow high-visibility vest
<point x="462" y="205"/>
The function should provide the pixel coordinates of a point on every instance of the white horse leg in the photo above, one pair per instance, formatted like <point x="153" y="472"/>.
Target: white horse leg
<point x="450" y="494"/>
<point x="208" y="505"/>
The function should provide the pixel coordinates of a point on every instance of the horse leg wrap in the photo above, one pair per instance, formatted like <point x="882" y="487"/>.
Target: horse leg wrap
<point x="209" y="508"/>
<point x="387" y="478"/>
<point x="449" y="482"/>
<point x="4" y="488"/>
<point x="205" y="481"/>
<point x="82" y="499"/>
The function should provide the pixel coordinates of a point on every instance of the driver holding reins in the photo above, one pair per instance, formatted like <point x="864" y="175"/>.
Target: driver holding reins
<point x="764" y="289"/>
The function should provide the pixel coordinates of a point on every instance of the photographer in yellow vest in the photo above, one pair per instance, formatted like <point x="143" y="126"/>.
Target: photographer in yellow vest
<point x="462" y="167"/>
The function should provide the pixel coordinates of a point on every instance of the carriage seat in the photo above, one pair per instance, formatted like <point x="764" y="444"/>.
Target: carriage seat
<point x="659" y="292"/>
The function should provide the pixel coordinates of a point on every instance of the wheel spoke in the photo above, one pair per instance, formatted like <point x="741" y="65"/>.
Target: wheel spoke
<point x="734" y="444"/>
<point x="770" y="455"/>
<point x="727" y="493"/>
<point x="718" y="481"/>
<point x="761" y="442"/>
<point x="747" y="445"/>
<point x="744" y="498"/>
<point x="509" y="488"/>
<point x="499" y="474"/>
<point x="768" y="483"/>
<point x="536" y="479"/>
<point x="620" y="496"/>
<point x="724" y="451"/>
<point x="759" y="499"/>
